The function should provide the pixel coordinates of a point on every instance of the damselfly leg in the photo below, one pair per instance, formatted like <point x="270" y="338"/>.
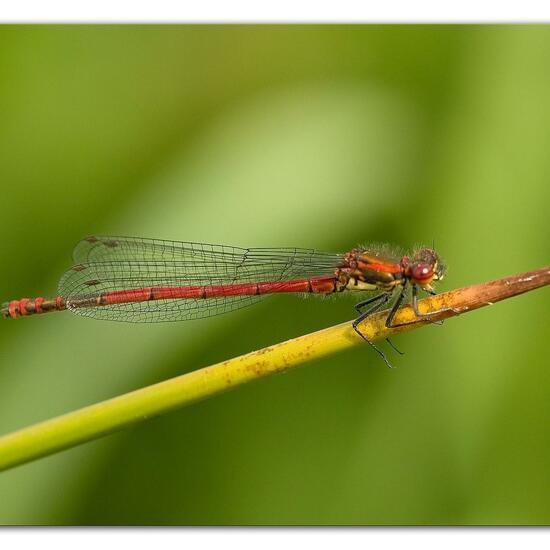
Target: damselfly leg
<point x="391" y="315"/>
<point x="414" y="303"/>
<point x="361" y="305"/>
<point x="376" y="302"/>
<point x="396" y="306"/>
<point x="431" y="292"/>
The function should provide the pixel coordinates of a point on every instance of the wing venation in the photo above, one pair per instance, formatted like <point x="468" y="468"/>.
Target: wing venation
<point x="116" y="264"/>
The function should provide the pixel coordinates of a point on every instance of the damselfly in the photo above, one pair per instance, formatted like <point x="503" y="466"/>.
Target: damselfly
<point x="147" y="280"/>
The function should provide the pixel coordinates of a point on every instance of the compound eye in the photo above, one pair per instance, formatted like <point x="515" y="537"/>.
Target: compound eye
<point x="422" y="272"/>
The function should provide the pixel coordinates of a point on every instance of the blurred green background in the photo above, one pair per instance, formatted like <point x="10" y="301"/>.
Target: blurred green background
<point x="322" y="137"/>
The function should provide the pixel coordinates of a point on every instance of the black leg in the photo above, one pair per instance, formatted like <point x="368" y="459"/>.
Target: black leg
<point x="393" y="346"/>
<point x="399" y="301"/>
<point x="415" y="301"/>
<point x="391" y="315"/>
<point x="396" y="305"/>
<point x="364" y="303"/>
<point x="380" y="301"/>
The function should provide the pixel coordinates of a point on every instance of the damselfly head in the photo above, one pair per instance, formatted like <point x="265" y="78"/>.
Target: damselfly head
<point x="426" y="267"/>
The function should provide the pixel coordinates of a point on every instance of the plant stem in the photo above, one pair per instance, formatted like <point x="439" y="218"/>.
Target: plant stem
<point x="102" y="418"/>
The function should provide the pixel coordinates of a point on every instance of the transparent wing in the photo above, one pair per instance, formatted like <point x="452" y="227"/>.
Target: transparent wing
<point x="108" y="265"/>
<point x="100" y="249"/>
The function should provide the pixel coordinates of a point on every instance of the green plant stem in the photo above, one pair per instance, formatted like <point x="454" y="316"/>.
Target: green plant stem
<point x="102" y="418"/>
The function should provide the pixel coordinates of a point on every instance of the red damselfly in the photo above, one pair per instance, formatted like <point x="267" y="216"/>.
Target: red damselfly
<point x="147" y="280"/>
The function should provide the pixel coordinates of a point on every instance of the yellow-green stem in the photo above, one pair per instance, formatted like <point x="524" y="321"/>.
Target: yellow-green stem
<point x="102" y="418"/>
